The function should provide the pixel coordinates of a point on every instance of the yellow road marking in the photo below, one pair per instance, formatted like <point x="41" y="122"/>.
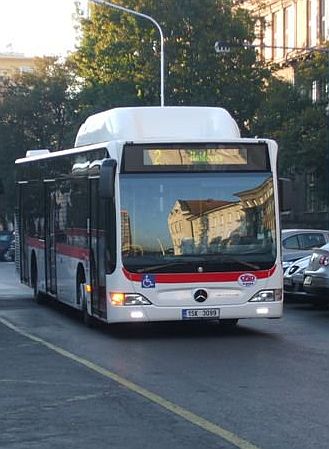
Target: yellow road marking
<point x="164" y="403"/>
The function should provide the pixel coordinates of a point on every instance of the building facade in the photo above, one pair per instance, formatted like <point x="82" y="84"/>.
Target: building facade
<point x="288" y="31"/>
<point x="286" y="28"/>
<point x="14" y="63"/>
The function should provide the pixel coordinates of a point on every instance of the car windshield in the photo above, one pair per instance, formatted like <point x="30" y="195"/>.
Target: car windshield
<point x="190" y="222"/>
<point x="5" y="238"/>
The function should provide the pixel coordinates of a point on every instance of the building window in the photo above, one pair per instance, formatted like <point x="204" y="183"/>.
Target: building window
<point x="310" y="192"/>
<point x="289" y="29"/>
<point x="313" y="202"/>
<point x="311" y="23"/>
<point x="277" y="35"/>
<point x="319" y="91"/>
<point x="260" y="36"/>
<point x="322" y="20"/>
<point x="26" y="69"/>
<point x="315" y="92"/>
<point x="274" y="35"/>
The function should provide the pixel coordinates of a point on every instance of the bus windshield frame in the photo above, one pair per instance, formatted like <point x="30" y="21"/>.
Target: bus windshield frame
<point x="207" y="217"/>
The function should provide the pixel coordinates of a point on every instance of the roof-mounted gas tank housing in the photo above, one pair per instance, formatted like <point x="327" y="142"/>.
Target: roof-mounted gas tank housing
<point x="33" y="153"/>
<point x="158" y="124"/>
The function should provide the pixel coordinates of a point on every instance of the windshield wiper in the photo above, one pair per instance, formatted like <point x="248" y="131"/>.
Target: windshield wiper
<point x="230" y="258"/>
<point x="159" y="267"/>
<point x="201" y="261"/>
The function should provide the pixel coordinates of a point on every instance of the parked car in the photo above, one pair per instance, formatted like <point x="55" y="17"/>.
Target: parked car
<point x="9" y="255"/>
<point x="293" y="278"/>
<point x="299" y="243"/>
<point x="316" y="280"/>
<point x="6" y="238"/>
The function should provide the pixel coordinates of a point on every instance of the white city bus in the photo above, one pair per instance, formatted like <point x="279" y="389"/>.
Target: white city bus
<point x="157" y="214"/>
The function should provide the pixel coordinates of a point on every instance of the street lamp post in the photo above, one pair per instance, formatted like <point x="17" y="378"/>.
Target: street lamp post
<point x="144" y="16"/>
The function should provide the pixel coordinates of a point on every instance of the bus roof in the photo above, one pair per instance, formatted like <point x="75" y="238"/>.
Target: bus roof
<point x="157" y="123"/>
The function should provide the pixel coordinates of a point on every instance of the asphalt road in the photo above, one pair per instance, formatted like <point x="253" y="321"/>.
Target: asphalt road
<point x="263" y="385"/>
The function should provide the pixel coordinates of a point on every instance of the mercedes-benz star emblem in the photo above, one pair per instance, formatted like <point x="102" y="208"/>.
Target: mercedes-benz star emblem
<point x="200" y="295"/>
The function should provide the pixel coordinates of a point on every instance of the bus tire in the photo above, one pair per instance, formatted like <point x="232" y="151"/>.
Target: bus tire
<point x="80" y="280"/>
<point x="37" y="295"/>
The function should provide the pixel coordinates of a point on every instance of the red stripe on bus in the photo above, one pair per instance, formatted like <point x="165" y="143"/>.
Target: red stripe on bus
<point x="61" y="248"/>
<point x="35" y="243"/>
<point x="76" y="232"/>
<point x="72" y="251"/>
<point x="180" y="278"/>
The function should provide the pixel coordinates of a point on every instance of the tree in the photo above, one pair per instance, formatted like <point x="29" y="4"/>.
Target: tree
<point x="296" y="118"/>
<point x="122" y="51"/>
<point x="37" y="110"/>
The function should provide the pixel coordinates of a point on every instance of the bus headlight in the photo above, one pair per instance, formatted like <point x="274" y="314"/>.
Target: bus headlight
<point x="267" y="295"/>
<point x="128" y="299"/>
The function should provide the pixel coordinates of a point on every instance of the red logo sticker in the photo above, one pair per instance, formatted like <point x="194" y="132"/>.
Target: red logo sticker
<point x="247" y="279"/>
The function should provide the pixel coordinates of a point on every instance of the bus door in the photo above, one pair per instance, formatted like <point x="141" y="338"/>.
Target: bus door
<point x="23" y="229"/>
<point x="97" y="249"/>
<point x="50" y="228"/>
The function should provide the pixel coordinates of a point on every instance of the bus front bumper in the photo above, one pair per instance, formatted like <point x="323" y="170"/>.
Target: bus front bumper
<point x="150" y="313"/>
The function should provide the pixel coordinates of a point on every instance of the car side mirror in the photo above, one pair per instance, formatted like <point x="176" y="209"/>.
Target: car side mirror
<point x="285" y="194"/>
<point x="107" y="179"/>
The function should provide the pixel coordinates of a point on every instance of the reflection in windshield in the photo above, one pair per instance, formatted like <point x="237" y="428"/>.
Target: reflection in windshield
<point x="193" y="222"/>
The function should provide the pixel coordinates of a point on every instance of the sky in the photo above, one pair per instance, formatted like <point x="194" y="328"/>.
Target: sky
<point x="37" y="27"/>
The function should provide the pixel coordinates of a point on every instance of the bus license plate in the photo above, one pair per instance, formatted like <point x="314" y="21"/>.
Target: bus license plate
<point x="200" y="314"/>
<point x="308" y="280"/>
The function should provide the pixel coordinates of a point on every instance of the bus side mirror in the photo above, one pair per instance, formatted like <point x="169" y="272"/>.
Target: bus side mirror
<point x="2" y="190"/>
<point x="285" y="194"/>
<point x="107" y="178"/>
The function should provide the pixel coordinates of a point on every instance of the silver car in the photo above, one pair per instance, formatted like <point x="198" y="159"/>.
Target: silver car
<point x="316" y="280"/>
<point x="298" y="243"/>
<point x="293" y="279"/>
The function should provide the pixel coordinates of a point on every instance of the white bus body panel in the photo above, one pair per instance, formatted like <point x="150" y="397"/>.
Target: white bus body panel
<point x="66" y="271"/>
<point x="158" y="123"/>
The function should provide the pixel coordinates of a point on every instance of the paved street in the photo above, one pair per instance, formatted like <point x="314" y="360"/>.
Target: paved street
<point x="263" y="385"/>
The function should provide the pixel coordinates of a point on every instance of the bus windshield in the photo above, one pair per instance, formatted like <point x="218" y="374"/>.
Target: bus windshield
<point x="197" y="221"/>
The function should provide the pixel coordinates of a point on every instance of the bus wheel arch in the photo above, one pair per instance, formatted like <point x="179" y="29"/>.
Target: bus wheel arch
<point x="37" y="296"/>
<point x="80" y="296"/>
<point x="80" y="280"/>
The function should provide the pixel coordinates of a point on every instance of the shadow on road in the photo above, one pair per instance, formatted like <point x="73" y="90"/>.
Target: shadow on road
<point x="165" y="330"/>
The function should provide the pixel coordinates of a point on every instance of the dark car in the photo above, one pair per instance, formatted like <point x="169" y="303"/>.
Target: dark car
<point x="293" y="278"/>
<point x="6" y="239"/>
<point x="316" y="280"/>
<point x="9" y="255"/>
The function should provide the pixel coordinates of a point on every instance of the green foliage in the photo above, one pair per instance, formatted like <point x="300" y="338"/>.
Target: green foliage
<point x="298" y="123"/>
<point x="121" y="50"/>
<point x="37" y="110"/>
<point x="314" y="69"/>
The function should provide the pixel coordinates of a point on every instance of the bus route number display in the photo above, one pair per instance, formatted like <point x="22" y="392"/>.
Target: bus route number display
<point x="203" y="156"/>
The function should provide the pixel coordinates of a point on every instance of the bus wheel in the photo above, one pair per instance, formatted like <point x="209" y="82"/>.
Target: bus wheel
<point x="37" y="296"/>
<point x="80" y="298"/>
